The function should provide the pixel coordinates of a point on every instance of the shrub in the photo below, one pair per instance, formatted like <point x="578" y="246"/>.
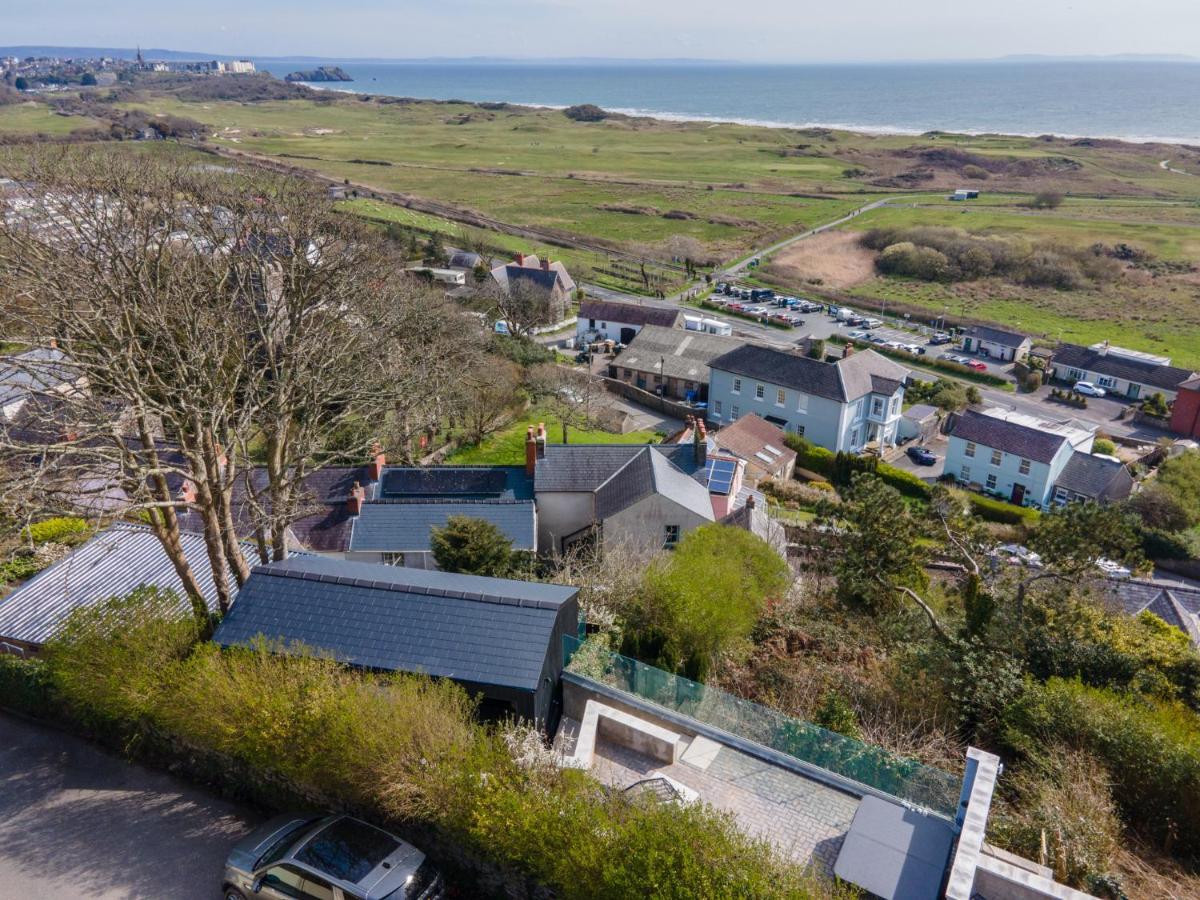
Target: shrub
<point x="58" y="530"/>
<point x="472" y="546"/>
<point x="1064" y="799"/>
<point x="1105" y="446"/>
<point x="992" y="510"/>
<point x="835" y="714"/>
<point x="19" y="568"/>
<point x="975" y="173"/>
<point x="906" y="483"/>
<point x="1151" y="751"/>
<point x="585" y="112"/>
<point x="1047" y="200"/>
<point x="809" y="456"/>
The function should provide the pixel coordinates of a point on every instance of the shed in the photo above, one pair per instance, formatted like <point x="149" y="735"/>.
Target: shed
<point x="499" y="639"/>
<point x="919" y="422"/>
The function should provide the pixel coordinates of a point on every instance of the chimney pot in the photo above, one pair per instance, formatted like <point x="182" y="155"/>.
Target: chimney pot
<point x="377" y="463"/>
<point x="520" y="259"/>
<point x="354" y="503"/>
<point x="531" y="452"/>
<point x="541" y="440"/>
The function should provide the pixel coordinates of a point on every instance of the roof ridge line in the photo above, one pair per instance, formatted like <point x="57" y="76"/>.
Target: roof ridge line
<point x="620" y="469"/>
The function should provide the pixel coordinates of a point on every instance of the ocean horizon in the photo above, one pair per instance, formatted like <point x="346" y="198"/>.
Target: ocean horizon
<point x="1144" y="101"/>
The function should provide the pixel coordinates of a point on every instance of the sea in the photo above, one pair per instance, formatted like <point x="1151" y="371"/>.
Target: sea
<point x="1131" y="100"/>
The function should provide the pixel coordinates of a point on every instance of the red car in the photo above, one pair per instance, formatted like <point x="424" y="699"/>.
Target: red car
<point x="977" y="366"/>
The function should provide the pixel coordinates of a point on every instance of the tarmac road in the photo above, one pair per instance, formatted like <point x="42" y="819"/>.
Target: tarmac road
<point x="77" y="822"/>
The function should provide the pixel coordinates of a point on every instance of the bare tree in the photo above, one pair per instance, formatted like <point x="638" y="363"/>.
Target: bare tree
<point x="218" y="322"/>
<point x="489" y="388"/>
<point x="521" y="305"/>
<point x="572" y="395"/>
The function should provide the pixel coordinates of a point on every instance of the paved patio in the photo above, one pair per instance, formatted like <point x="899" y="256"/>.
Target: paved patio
<point x="804" y="819"/>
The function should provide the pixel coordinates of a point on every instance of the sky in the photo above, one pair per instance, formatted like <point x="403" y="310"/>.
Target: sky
<point x="749" y="30"/>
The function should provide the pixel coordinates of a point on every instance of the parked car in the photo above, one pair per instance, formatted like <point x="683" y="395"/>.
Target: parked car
<point x="976" y="365"/>
<point x="914" y="349"/>
<point x="859" y="335"/>
<point x="871" y="323"/>
<point x="940" y="337"/>
<point x="1089" y="390"/>
<point x="881" y="341"/>
<point x="310" y="856"/>
<point x="922" y="456"/>
<point x="1112" y="568"/>
<point x="1019" y="555"/>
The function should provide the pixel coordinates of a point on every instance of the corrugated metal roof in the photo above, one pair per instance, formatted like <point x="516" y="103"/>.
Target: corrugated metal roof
<point x="398" y="526"/>
<point x="112" y="564"/>
<point x="489" y="631"/>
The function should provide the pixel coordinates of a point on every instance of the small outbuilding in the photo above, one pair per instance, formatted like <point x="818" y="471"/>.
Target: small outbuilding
<point x="502" y="640"/>
<point x="919" y="423"/>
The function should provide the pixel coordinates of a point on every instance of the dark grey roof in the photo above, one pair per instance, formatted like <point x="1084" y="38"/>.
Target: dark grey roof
<point x="847" y="379"/>
<point x="34" y="371"/>
<point x="111" y="564"/>
<point x="919" y="412"/>
<point x="1009" y="437"/>
<point x="581" y="468"/>
<point x="628" y="485"/>
<point x="1176" y="605"/>
<point x="405" y="525"/>
<point x="489" y="631"/>
<point x="462" y="259"/>
<point x="628" y="313"/>
<point x="997" y="336"/>
<point x="1124" y="368"/>
<point x="1095" y="477"/>
<point x="540" y="278"/>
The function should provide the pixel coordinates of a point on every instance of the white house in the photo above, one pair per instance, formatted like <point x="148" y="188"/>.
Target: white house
<point x="845" y="405"/>
<point x="1013" y="456"/>
<point x="1129" y="373"/>
<point x="996" y="343"/>
<point x="607" y="320"/>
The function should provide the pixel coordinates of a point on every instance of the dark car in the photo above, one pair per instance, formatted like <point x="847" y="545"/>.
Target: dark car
<point x="327" y="858"/>
<point x="921" y="456"/>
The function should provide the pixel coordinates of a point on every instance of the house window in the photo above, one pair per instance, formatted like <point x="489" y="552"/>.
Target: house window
<point x="854" y="438"/>
<point x="603" y="324"/>
<point x="780" y="397"/>
<point x="733" y="413"/>
<point x="858" y="410"/>
<point x="991" y="481"/>
<point x="964" y="474"/>
<point x="759" y="392"/>
<point x="996" y="457"/>
<point x="800" y="430"/>
<point x="1061" y="496"/>
<point x="393" y="559"/>
<point x="970" y="450"/>
<point x="802" y="403"/>
<point x="1107" y="381"/>
<point x="876" y="407"/>
<point x="628" y="373"/>
<point x="591" y="323"/>
<point x="670" y="536"/>
<point x="1024" y="468"/>
<point x="737" y="385"/>
<point x="895" y="408"/>
<point x="717" y="408"/>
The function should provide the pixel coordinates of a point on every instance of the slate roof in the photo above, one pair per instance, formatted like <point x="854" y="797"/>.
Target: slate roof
<point x="489" y="631"/>
<point x="404" y="525"/>
<point x="628" y="313"/>
<point x="919" y="412"/>
<point x="581" y="468"/>
<point x="1140" y="372"/>
<point x="1095" y="477"/>
<point x="31" y="372"/>
<point x="652" y="472"/>
<point x="1009" y="437"/>
<point x="1176" y="605"/>
<point x="458" y="482"/>
<point x="540" y="278"/>
<point x="111" y="564"/>
<point x="682" y="354"/>
<point x="997" y="336"/>
<point x="847" y="379"/>
<point x="758" y="442"/>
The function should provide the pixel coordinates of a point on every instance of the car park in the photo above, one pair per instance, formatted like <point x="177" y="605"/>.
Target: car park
<point x="922" y="456"/>
<point x="327" y="857"/>
<point x="1088" y="389"/>
<point x="859" y="335"/>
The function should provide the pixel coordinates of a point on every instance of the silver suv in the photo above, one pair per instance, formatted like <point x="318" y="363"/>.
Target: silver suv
<point x="329" y="858"/>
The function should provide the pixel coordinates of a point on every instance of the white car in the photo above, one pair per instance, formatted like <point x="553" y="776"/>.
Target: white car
<point x="858" y="335"/>
<point x="1088" y="389"/>
<point x="1112" y="568"/>
<point x="1020" y="555"/>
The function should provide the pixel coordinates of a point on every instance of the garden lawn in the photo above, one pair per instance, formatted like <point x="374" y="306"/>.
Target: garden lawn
<point x="507" y="447"/>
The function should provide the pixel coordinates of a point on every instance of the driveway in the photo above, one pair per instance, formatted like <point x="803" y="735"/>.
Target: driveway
<point x="77" y="822"/>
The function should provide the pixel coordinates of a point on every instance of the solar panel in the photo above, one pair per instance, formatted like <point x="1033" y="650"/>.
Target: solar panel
<point x="720" y="475"/>
<point x="443" y="482"/>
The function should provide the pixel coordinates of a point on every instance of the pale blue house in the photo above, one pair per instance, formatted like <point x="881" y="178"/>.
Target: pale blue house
<point x="1012" y="456"/>
<point x="849" y="405"/>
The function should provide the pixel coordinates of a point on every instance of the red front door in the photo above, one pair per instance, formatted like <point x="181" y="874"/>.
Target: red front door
<point x="1018" y="494"/>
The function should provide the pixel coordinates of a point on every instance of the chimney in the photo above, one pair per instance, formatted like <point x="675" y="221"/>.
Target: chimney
<point x="699" y="443"/>
<point x="849" y="351"/>
<point x="53" y="343"/>
<point x="541" y="440"/>
<point x="378" y="461"/>
<point x="188" y="492"/>
<point x="519" y="258"/>
<point x="750" y="502"/>
<point x="531" y="452"/>
<point x="545" y="265"/>
<point x="354" y="502"/>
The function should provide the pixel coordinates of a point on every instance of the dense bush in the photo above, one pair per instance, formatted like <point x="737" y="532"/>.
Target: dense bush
<point x="906" y="483"/>
<point x="1151" y="751"/>
<point x="1104" y="446"/>
<point x="19" y="568"/>
<point x="993" y="510"/>
<point x="944" y="393"/>
<point x="585" y="112"/>
<point x="474" y="547"/>
<point x="935" y="253"/>
<point x="809" y="456"/>
<point x="403" y="750"/>
<point x="58" y="530"/>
